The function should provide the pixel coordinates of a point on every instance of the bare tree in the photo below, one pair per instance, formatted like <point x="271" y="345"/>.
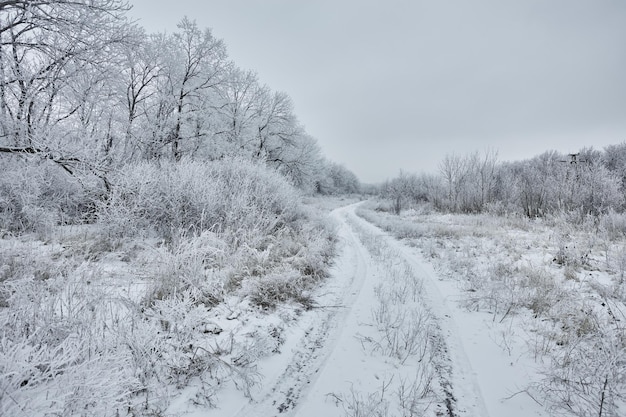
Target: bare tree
<point x="486" y="175"/>
<point x="454" y="170"/>
<point x="55" y="61"/>
<point x="277" y="126"/>
<point x="241" y="96"/>
<point x="43" y="46"/>
<point x="337" y="179"/>
<point x="194" y="65"/>
<point x="137" y="92"/>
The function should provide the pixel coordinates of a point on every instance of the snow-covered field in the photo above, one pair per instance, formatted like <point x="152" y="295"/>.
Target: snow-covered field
<point x="422" y="314"/>
<point x="399" y="330"/>
<point x="386" y="337"/>
<point x="539" y="305"/>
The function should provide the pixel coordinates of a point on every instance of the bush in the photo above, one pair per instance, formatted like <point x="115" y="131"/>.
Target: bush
<point x="586" y="374"/>
<point x="57" y="352"/>
<point x="165" y="199"/>
<point x="224" y="223"/>
<point x="34" y="197"/>
<point x="83" y="336"/>
<point x="614" y="224"/>
<point x="191" y="266"/>
<point x="277" y="287"/>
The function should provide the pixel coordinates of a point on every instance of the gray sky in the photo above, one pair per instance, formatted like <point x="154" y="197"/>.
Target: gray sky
<point x="398" y="84"/>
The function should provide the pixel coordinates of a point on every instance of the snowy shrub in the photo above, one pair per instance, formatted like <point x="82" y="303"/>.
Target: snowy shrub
<point x="191" y="264"/>
<point x="307" y="249"/>
<point x="315" y="240"/>
<point x="405" y="332"/>
<point x="57" y="356"/>
<point x="70" y="346"/>
<point x="571" y="254"/>
<point x="504" y="288"/>
<point x="34" y="197"/>
<point x="357" y="404"/>
<point x="224" y="223"/>
<point x="413" y="391"/>
<point x="130" y="299"/>
<point x="20" y="210"/>
<point x="541" y="291"/>
<point x="175" y="341"/>
<point x="587" y="370"/>
<point x="169" y="198"/>
<point x="277" y="287"/>
<point x="89" y="244"/>
<point x="181" y="324"/>
<point x="64" y="379"/>
<point x="614" y="224"/>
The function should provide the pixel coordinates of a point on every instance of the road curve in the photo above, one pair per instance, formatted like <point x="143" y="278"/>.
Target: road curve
<point x="326" y="369"/>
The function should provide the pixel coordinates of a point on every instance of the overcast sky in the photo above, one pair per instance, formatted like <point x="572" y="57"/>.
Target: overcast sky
<point x="398" y="84"/>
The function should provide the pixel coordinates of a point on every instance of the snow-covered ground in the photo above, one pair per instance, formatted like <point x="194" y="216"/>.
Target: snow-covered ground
<point x="338" y="360"/>
<point x="422" y="314"/>
<point x="548" y="292"/>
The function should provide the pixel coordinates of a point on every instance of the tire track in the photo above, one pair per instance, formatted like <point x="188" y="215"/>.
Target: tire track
<point x="452" y="365"/>
<point x="323" y="327"/>
<point x="328" y="371"/>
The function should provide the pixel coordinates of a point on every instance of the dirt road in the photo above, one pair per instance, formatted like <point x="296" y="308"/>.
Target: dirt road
<point x="385" y="339"/>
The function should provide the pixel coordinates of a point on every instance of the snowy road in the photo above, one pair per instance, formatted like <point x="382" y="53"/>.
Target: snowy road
<point x="342" y="360"/>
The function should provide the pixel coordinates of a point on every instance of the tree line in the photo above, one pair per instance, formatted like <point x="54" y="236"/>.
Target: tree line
<point x="88" y="89"/>
<point x="587" y="183"/>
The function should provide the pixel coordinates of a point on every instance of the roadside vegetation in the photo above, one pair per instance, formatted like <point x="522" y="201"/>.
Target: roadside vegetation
<point x="539" y="244"/>
<point x="154" y="294"/>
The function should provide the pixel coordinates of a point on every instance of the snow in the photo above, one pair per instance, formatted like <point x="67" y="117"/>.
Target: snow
<point x="483" y="374"/>
<point x="486" y="375"/>
<point x="346" y="364"/>
<point x="318" y="333"/>
<point x="395" y="330"/>
<point x="324" y="367"/>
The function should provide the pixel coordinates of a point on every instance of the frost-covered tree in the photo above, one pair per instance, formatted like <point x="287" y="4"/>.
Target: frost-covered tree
<point x="454" y="171"/>
<point x="555" y="183"/>
<point x="137" y="93"/>
<point x="481" y="180"/>
<point x="533" y="183"/>
<point x="614" y="159"/>
<point x="594" y="189"/>
<point x="470" y="180"/>
<point x="45" y="47"/>
<point x="192" y="65"/>
<point x="337" y="179"/>
<point x="241" y="96"/>
<point x="276" y="126"/>
<point x="409" y="189"/>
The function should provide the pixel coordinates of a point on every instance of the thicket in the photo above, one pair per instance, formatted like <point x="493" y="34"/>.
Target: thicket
<point x="79" y="338"/>
<point x="587" y="183"/>
<point x="90" y="91"/>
